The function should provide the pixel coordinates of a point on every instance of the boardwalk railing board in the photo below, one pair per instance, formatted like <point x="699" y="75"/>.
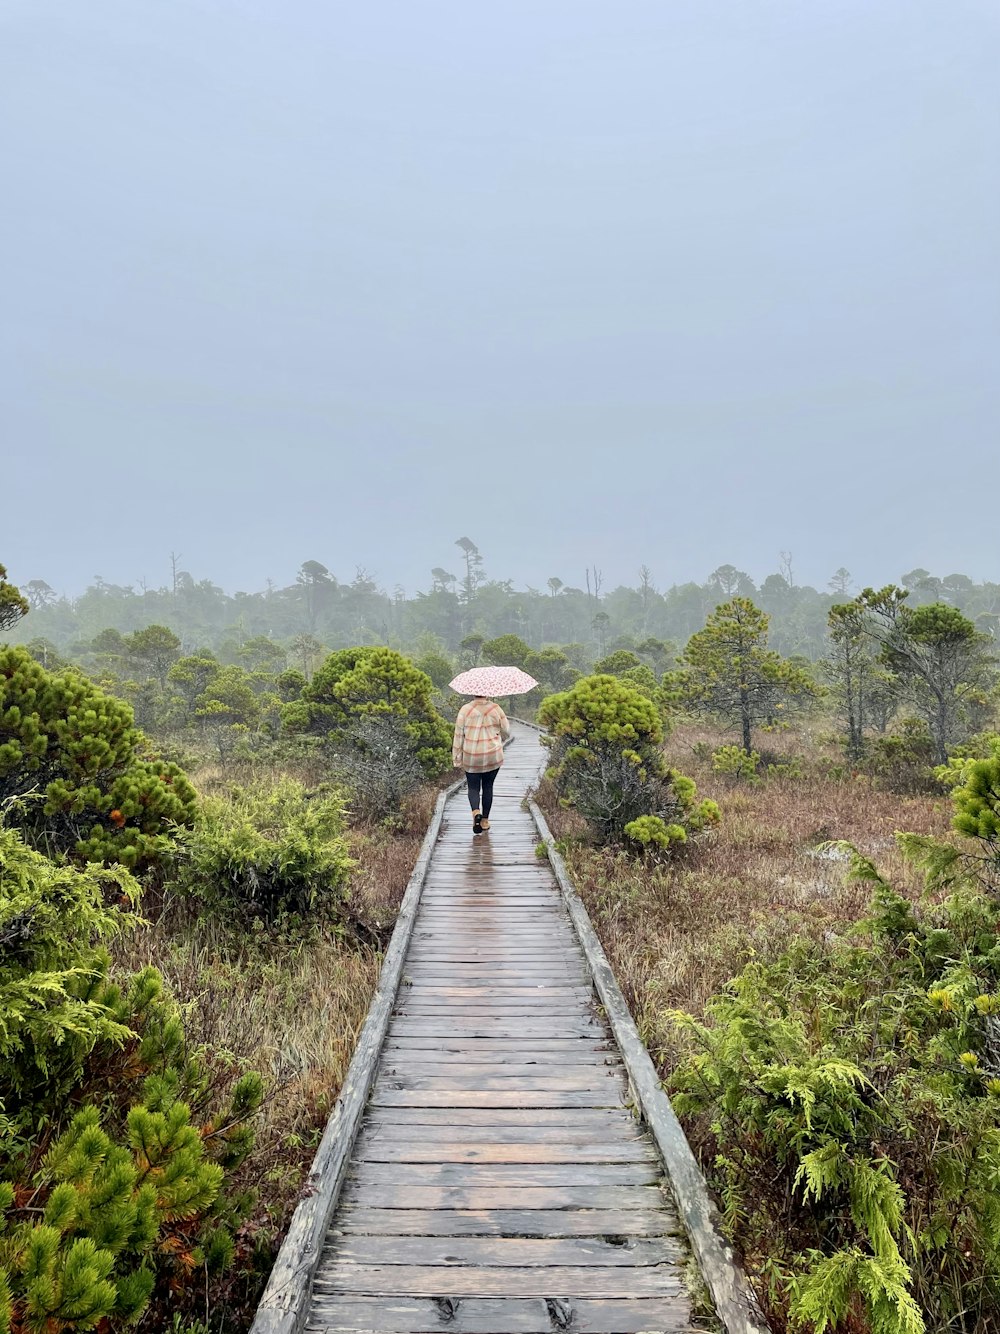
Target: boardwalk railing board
<point x="731" y="1294"/>
<point x="284" y="1304"/>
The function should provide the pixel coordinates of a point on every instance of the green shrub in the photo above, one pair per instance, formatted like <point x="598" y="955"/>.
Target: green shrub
<point x="902" y="761"/>
<point x="267" y="849"/>
<point x="116" y="1145"/>
<point x="736" y="764"/>
<point x="650" y="832"/>
<point x="608" y="764"/>
<point x="53" y="920"/>
<point x="100" y="800"/>
<point x="847" y="1099"/>
<point x="363" y="682"/>
<point x="377" y="762"/>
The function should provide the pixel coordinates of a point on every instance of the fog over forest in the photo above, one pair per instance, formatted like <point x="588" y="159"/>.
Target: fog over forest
<point x="672" y="284"/>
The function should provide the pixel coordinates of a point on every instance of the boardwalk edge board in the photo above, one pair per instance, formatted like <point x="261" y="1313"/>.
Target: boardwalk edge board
<point x="284" y="1305"/>
<point x="734" y="1302"/>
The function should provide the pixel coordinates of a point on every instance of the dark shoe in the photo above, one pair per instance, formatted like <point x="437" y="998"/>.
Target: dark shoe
<point x="477" y="822"/>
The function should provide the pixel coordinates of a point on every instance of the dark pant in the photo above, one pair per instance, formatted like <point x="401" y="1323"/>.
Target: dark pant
<point x="481" y="783"/>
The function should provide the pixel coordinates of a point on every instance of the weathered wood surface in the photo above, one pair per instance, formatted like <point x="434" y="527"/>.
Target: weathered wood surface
<point x="732" y="1296"/>
<point x="500" y="1181"/>
<point x="484" y="1171"/>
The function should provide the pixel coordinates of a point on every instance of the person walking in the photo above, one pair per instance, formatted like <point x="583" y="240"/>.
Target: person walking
<point x="480" y="731"/>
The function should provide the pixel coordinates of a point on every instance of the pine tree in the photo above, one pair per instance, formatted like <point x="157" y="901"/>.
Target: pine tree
<point x="728" y="670"/>
<point x="101" y="801"/>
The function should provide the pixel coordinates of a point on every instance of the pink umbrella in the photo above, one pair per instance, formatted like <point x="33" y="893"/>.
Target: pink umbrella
<point x="493" y="681"/>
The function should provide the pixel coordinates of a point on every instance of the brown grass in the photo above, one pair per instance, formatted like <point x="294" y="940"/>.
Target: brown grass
<point x="675" y="933"/>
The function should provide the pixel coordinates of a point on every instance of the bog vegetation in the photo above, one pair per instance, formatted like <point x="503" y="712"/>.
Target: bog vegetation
<point x="782" y="807"/>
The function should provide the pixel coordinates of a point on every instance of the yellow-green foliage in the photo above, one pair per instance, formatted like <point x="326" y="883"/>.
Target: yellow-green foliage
<point x="358" y="682"/>
<point x="52" y="921"/>
<point x="100" y="801"/>
<point x="977" y="802"/>
<point x="735" y="763"/>
<point x="601" y="710"/>
<point x="267" y="848"/>
<point x="608" y="763"/>
<point x="650" y="831"/>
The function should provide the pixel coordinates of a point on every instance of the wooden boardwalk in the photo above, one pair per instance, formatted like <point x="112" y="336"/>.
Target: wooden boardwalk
<point x="499" y="1182"/>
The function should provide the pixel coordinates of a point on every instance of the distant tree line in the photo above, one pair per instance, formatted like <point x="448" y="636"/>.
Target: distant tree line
<point x="321" y="611"/>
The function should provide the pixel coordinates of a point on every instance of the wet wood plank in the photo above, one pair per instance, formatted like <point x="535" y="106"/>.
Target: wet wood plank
<point x="379" y="1149"/>
<point x="625" y="1251"/>
<point x="493" y="1280"/>
<point x="486" y="1315"/>
<point x="622" y="1131"/>
<point x="357" y="1190"/>
<point x="597" y="1119"/>
<point x="531" y="1175"/>
<point x="503" y="1222"/>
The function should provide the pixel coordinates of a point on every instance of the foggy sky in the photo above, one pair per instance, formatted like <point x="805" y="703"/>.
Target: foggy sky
<point x="646" y="281"/>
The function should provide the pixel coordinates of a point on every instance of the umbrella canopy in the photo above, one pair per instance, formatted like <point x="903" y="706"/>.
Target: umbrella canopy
<point x="493" y="681"/>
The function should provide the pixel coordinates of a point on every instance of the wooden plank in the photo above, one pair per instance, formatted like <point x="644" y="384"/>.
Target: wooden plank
<point x="536" y="1080"/>
<point x="734" y="1301"/>
<point x="507" y="1013"/>
<point x="465" y="1071"/>
<point x="471" y="1026"/>
<point x="450" y="951"/>
<point x="598" y="1119"/>
<point x="445" y="972"/>
<point x="412" y="1151"/>
<point x="505" y="1197"/>
<point x="500" y="1050"/>
<point x="485" y="1315"/>
<point x="624" y="1131"/>
<point x="501" y="1252"/>
<point x="484" y="1281"/>
<point x="456" y="993"/>
<point x="469" y="1176"/>
<point x="494" y="1098"/>
<point x="470" y="968"/>
<point x="503" y="1222"/>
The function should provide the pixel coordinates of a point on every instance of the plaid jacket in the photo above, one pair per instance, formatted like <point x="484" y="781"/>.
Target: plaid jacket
<point x="480" y="729"/>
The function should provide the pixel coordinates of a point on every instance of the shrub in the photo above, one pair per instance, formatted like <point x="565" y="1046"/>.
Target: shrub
<point x="361" y="682"/>
<point x="902" y="762"/>
<point x="115" y="1171"/>
<point x="736" y="764"/>
<point x="378" y="763"/>
<point x="266" y="849"/>
<point x="848" y="1100"/>
<point x="52" y="921"/>
<point x="652" y="833"/>
<point x="608" y="763"/>
<point x="99" y="799"/>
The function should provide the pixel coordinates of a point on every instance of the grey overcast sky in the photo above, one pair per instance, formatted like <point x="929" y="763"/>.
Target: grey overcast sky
<point x="666" y="281"/>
